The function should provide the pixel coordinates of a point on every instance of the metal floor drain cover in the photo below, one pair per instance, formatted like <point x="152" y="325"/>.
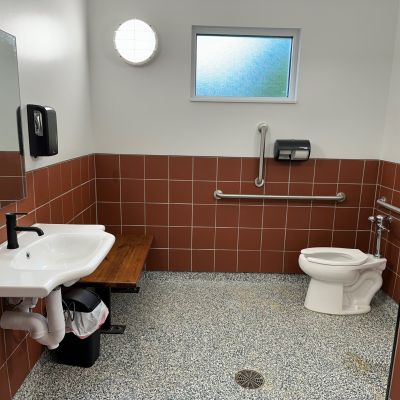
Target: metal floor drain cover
<point x="249" y="379"/>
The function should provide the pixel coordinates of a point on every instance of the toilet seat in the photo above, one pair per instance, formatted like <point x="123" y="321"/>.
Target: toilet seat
<point x="335" y="256"/>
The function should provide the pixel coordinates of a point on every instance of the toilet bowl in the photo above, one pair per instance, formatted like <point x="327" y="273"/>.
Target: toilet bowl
<point x="343" y="281"/>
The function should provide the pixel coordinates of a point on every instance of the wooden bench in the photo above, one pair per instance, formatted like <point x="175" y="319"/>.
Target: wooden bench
<point x="121" y="271"/>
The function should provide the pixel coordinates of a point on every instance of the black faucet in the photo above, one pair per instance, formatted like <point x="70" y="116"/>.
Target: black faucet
<point x="12" y="229"/>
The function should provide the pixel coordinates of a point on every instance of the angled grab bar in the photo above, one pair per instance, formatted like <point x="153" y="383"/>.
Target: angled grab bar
<point x="263" y="129"/>
<point x="220" y="195"/>
<point x="382" y="202"/>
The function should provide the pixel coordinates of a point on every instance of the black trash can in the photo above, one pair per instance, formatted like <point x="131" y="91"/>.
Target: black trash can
<point x="73" y="350"/>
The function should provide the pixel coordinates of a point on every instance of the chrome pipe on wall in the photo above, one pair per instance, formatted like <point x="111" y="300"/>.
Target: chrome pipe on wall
<point x="263" y="129"/>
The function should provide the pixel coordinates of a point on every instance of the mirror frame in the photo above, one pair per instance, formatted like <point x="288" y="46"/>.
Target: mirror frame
<point x="19" y="132"/>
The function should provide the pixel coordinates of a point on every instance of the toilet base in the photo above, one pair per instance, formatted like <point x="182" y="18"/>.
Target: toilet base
<point x="327" y="298"/>
<point x="337" y="288"/>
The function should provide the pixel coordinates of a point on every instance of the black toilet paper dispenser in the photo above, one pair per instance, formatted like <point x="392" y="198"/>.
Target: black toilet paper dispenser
<point x="292" y="150"/>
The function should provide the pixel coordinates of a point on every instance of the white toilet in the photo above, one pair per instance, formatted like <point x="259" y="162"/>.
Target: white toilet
<point x="343" y="281"/>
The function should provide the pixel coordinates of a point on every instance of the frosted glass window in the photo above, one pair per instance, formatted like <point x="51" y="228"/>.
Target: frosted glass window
<point x="243" y="67"/>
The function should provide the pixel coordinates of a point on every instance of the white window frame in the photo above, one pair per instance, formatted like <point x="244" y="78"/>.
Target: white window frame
<point x="238" y="31"/>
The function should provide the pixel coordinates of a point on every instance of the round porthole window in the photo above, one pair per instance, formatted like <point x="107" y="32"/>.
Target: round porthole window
<point x="136" y="42"/>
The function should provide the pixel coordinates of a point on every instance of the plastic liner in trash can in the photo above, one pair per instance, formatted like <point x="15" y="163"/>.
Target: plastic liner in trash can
<point x="85" y="313"/>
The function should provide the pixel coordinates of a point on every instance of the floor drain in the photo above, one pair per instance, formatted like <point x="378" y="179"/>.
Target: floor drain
<point x="249" y="379"/>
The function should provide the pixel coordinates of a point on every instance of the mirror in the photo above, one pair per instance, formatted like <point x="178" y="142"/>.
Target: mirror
<point x="12" y="176"/>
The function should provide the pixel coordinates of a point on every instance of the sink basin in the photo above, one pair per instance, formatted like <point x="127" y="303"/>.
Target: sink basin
<point x="63" y="255"/>
<point x="60" y="251"/>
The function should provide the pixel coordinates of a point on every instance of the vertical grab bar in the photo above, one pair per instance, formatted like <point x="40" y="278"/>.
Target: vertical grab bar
<point x="263" y="129"/>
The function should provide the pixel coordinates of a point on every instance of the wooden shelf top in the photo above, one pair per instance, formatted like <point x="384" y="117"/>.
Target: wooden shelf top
<point x="124" y="263"/>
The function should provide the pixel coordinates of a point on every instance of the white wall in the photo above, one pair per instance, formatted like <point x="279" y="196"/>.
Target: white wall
<point x="345" y="67"/>
<point x="53" y="68"/>
<point x="391" y="141"/>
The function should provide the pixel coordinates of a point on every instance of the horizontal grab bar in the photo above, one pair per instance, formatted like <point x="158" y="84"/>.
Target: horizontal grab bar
<point x="219" y="195"/>
<point x="382" y="202"/>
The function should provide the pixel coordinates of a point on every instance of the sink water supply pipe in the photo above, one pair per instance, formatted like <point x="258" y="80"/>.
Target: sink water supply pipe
<point x="47" y="331"/>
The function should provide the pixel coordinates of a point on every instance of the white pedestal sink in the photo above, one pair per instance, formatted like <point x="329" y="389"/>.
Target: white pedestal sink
<point x="63" y="255"/>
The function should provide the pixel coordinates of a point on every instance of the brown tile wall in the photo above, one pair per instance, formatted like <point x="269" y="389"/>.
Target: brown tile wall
<point x="13" y="177"/>
<point x="172" y="197"/>
<point x="61" y="193"/>
<point x="389" y="187"/>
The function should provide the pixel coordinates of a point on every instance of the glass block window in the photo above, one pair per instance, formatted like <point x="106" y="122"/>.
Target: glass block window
<point x="237" y="64"/>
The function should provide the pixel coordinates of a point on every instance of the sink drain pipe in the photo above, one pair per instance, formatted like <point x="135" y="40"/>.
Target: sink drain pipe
<point x="47" y="331"/>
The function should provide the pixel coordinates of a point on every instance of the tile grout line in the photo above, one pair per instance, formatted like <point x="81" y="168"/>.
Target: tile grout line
<point x="377" y="190"/>
<point x="216" y="204"/>
<point x="8" y="379"/>
<point x="95" y="185"/>
<point x="48" y="185"/>
<point x="27" y="351"/>
<point x="278" y="202"/>
<point x="62" y="203"/>
<point x="120" y="198"/>
<point x="16" y="348"/>
<point x="34" y="196"/>
<point x="397" y="269"/>
<point x="144" y="203"/>
<point x="80" y="180"/>
<point x="222" y="249"/>
<point x="286" y="228"/>
<point x="335" y="206"/>
<point x="215" y="229"/>
<point x="359" y="205"/>
<point x="168" y="222"/>
<point x="144" y="200"/>
<point x="4" y="363"/>
<point x="289" y="185"/>
<point x="262" y="227"/>
<point x="238" y="221"/>
<point x="398" y="257"/>
<point x="230" y="181"/>
<point x="3" y="333"/>
<point x="385" y="240"/>
<point x="312" y="206"/>
<point x="248" y="228"/>
<point x="81" y="213"/>
<point x="191" y="227"/>
<point x="192" y="208"/>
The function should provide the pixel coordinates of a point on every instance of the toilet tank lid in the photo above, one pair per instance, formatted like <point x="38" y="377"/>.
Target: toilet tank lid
<point x="335" y="256"/>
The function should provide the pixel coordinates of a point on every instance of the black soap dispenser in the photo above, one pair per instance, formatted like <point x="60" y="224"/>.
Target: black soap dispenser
<point x="42" y="126"/>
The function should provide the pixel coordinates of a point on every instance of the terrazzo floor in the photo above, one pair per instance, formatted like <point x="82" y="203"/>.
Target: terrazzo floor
<point x="188" y="334"/>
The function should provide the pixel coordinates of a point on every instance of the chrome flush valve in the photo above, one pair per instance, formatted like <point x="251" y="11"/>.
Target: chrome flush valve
<point x="380" y="221"/>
